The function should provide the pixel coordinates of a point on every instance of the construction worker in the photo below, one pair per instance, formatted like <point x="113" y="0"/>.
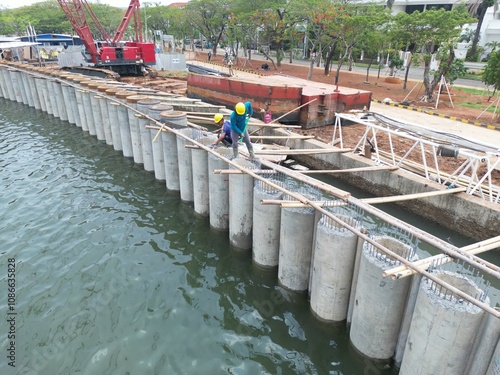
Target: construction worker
<point x="225" y="131"/>
<point x="239" y="120"/>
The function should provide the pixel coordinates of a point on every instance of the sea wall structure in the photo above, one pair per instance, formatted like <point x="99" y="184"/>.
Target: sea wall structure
<point x="358" y="265"/>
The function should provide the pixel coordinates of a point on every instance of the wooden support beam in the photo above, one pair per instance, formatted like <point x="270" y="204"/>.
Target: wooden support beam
<point x="398" y="198"/>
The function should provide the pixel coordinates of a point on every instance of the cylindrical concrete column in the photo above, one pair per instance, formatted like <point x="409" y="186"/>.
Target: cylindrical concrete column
<point x="218" y="196"/>
<point x="8" y="83"/>
<point x="48" y="93"/>
<point x="68" y="105"/>
<point x="33" y="88"/>
<point x="170" y="156"/>
<point x="106" y="126"/>
<point x="97" y="115"/>
<point x="124" y="125"/>
<point x="79" y="110"/>
<point x="113" y="119"/>
<point x="133" y="121"/>
<point x="379" y="302"/>
<point x="266" y="223"/>
<point x="87" y="105"/>
<point x="443" y="327"/>
<point x="15" y="77"/>
<point x="200" y="176"/>
<point x="73" y="114"/>
<point x="332" y="270"/>
<point x="62" y="105"/>
<point x="39" y="83"/>
<point x="296" y="238"/>
<point x="3" y="87"/>
<point x="157" y="141"/>
<point x="185" y="166"/>
<point x="486" y="341"/>
<point x="56" y="98"/>
<point x="145" y="133"/>
<point x="241" y="206"/>
<point x="26" y="89"/>
<point x="494" y="368"/>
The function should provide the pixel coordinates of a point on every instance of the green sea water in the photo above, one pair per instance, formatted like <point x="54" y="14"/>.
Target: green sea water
<point x="115" y="275"/>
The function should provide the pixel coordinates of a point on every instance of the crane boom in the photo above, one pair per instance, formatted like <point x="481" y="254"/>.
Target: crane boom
<point x="121" y="57"/>
<point x="76" y="16"/>
<point x="133" y="10"/>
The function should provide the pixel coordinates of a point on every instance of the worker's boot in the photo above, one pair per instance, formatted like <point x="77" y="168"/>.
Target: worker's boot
<point x="235" y="153"/>
<point x="252" y="154"/>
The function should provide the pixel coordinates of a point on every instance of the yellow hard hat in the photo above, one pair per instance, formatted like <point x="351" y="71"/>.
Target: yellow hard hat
<point x="218" y="117"/>
<point x="240" y="108"/>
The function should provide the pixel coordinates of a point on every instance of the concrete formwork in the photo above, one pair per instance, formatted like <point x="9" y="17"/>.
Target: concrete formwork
<point x="219" y="190"/>
<point x="332" y="269"/>
<point x="185" y="166"/>
<point x="240" y="206"/>
<point x="296" y="238"/>
<point x="145" y="133"/>
<point x="443" y="328"/>
<point x="266" y="224"/>
<point x="158" y="153"/>
<point x="200" y="176"/>
<point x="379" y="302"/>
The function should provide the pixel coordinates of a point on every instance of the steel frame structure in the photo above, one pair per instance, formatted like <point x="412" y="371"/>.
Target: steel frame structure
<point x="427" y="142"/>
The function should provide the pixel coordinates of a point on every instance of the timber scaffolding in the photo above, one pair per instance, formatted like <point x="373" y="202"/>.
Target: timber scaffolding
<point x="383" y="238"/>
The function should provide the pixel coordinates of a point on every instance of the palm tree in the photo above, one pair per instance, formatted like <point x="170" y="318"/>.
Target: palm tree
<point x="477" y="9"/>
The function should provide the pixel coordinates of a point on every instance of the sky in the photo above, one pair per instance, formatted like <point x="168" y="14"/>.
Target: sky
<point x="10" y="4"/>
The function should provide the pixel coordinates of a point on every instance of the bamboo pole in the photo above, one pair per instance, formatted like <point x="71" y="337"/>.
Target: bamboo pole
<point x="353" y="170"/>
<point x="473" y="249"/>
<point x="282" y="136"/>
<point x="310" y="151"/>
<point x="293" y="110"/>
<point x="405" y="197"/>
<point x="297" y="204"/>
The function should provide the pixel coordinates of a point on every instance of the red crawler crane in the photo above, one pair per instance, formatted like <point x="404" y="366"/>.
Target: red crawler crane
<point x="124" y="58"/>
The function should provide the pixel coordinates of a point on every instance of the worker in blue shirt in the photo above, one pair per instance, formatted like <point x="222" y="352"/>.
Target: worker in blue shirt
<point x="239" y="120"/>
<point x="225" y="132"/>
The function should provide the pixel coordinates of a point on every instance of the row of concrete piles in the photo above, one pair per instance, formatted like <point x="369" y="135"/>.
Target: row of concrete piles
<point x="424" y="328"/>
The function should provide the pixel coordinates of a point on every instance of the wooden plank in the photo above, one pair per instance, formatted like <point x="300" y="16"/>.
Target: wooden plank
<point x="398" y="198"/>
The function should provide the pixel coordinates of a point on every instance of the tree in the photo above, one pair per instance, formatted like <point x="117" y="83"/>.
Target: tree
<point x="477" y="8"/>
<point x="425" y="33"/>
<point x="209" y="18"/>
<point x="491" y="73"/>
